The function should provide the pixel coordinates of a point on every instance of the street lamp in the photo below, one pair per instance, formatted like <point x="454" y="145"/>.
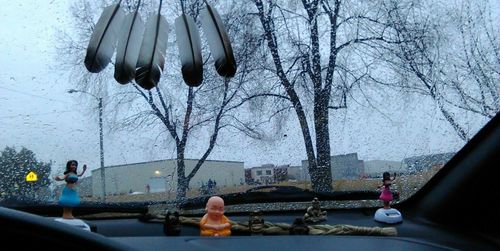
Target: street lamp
<point x="103" y="181"/>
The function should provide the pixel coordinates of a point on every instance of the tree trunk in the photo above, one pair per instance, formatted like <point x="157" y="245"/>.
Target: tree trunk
<point x="182" y="181"/>
<point x="311" y="158"/>
<point x="321" y="178"/>
<point x="318" y="180"/>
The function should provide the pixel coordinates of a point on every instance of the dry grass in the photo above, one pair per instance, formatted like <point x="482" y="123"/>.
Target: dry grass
<point x="169" y="195"/>
<point x="406" y="185"/>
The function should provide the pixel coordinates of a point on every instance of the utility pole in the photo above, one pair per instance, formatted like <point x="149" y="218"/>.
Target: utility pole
<point x="101" y="145"/>
<point x="103" y="176"/>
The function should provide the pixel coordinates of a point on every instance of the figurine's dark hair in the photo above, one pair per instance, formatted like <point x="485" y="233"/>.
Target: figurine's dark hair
<point x="68" y="165"/>
<point x="386" y="176"/>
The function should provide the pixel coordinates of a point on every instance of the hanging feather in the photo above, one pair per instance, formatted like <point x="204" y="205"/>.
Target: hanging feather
<point x="152" y="53"/>
<point x="128" y="47"/>
<point x="218" y="41"/>
<point x="103" y="40"/>
<point x="189" y="43"/>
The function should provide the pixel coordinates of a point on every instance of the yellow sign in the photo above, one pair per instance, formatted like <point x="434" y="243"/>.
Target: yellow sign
<point x="31" y="177"/>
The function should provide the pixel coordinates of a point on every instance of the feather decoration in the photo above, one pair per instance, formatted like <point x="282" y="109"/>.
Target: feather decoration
<point x="152" y="53"/>
<point x="218" y="41"/>
<point x="128" y="47"/>
<point x="103" y="40"/>
<point x="189" y="44"/>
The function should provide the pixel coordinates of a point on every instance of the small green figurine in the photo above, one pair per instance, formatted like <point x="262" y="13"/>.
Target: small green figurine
<point x="314" y="213"/>
<point x="256" y="223"/>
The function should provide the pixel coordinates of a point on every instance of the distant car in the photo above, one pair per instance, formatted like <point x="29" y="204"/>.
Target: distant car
<point x="133" y="193"/>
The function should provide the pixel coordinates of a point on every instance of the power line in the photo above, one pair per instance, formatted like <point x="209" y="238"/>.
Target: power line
<point x="33" y="95"/>
<point x="33" y="115"/>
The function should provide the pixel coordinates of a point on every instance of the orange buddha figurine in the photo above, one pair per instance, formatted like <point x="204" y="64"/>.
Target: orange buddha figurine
<point x="214" y="223"/>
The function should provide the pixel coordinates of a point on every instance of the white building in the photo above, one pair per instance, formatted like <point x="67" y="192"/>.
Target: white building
<point x="263" y="174"/>
<point x="375" y="168"/>
<point x="343" y="166"/>
<point x="298" y="173"/>
<point x="422" y="163"/>
<point x="161" y="176"/>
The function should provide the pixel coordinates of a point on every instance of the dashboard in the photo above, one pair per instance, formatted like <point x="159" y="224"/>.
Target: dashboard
<point x="412" y="235"/>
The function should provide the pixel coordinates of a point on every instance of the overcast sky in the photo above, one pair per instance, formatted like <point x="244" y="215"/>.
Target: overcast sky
<point x="37" y="112"/>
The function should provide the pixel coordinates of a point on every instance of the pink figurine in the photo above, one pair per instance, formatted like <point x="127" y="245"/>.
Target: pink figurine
<point x="386" y="195"/>
<point x="387" y="214"/>
<point x="214" y="223"/>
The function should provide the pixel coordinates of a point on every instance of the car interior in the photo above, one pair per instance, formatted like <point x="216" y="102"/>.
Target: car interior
<point x="254" y="100"/>
<point x="456" y="209"/>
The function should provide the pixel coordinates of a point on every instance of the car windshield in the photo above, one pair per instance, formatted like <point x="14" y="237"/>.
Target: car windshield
<point x="275" y="101"/>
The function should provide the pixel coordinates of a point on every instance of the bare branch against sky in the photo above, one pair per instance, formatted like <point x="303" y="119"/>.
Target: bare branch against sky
<point x="380" y="123"/>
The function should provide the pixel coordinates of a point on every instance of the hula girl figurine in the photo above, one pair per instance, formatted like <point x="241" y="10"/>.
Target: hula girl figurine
<point x="387" y="214"/>
<point x="214" y="223"/>
<point x="69" y="197"/>
<point x="386" y="195"/>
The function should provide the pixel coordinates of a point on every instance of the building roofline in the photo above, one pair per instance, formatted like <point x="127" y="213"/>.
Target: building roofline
<point x="155" y="161"/>
<point x="429" y="156"/>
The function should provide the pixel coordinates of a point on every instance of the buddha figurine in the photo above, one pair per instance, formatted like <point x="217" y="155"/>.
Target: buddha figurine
<point x="214" y="223"/>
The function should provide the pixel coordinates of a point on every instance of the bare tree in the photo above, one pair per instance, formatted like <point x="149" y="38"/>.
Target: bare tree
<point x="298" y="34"/>
<point x="172" y="107"/>
<point x="452" y="58"/>
<point x="475" y="73"/>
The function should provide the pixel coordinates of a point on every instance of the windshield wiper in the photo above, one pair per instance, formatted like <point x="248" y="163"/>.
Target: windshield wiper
<point x="269" y="194"/>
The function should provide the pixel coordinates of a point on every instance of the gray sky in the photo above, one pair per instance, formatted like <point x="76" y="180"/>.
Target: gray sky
<point x="37" y="112"/>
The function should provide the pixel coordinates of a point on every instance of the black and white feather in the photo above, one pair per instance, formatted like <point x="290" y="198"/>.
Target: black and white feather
<point x="129" y="45"/>
<point x="104" y="37"/>
<point x="152" y="53"/>
<point x="189" y="44"/>
<point x="218" y="41"/>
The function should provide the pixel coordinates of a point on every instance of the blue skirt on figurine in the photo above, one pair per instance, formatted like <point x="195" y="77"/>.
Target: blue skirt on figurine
<point x="69" y="197"/>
